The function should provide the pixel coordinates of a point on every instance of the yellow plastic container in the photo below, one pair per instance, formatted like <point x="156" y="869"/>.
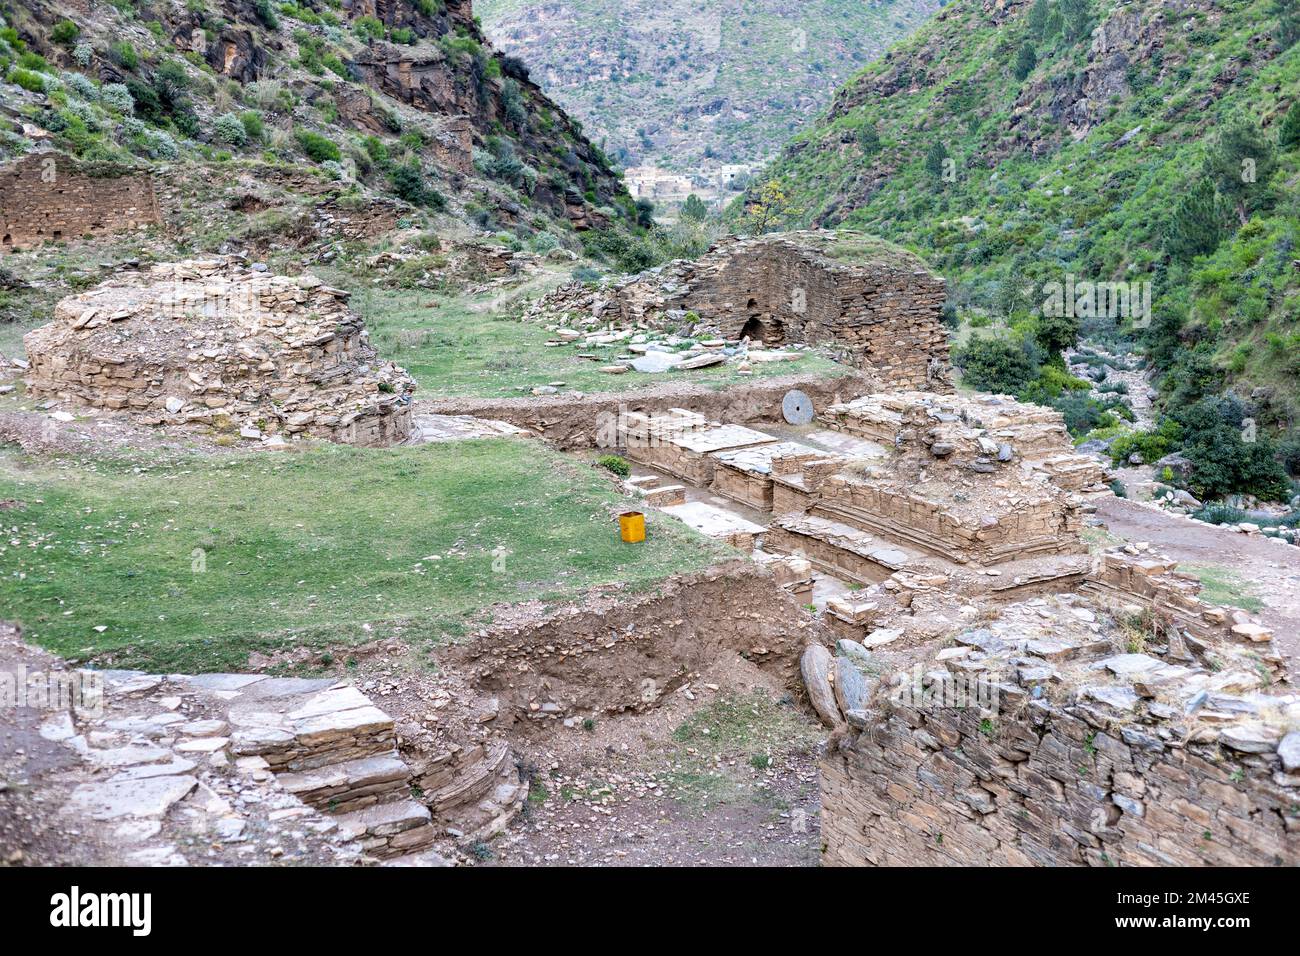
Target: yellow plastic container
<point x="632" y="526"/>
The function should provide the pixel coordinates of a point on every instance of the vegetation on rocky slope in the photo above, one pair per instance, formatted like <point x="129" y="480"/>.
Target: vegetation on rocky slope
<point x="1041" y="150"/>
<point x="372" y="105"/>
<point x="678" y="82"/>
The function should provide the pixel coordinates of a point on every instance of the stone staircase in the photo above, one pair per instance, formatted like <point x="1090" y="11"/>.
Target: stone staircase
<point x="336" y="752"/>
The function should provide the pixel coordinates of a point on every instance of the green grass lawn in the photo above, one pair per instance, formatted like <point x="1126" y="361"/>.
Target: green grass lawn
<point x="475" y="346"/>
<point x="188" y="563"/>
<point x="1222" y="585"/>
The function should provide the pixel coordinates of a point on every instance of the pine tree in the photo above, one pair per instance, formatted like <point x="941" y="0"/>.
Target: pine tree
<point x="1196" y="226"/>
<point x="694" y="208"/>
<point x="1288" y="137"/>
<point x="1038" y="16"/>
<point x="1026" y="60"/>
<point x="1288" y="23"/>
<point x="1241" y="162"/>
<point x="1077" y="18"/>
<point x="934" y="159"/>
<point x="869" y="140"/>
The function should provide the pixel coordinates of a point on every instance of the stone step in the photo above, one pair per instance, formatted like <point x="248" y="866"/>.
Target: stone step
<point x="319" y="730"/>
<point x="351" y="785"/>
<point x="390" y="829"/>
<point x="472" y="783"/>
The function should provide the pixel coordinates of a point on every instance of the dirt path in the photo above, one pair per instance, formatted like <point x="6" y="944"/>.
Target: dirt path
<point x="1272" y="571"/>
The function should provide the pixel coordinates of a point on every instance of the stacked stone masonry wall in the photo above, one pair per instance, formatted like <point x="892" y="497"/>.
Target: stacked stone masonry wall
<point x="47" y="196"/>
<point x="1045" y="787"/>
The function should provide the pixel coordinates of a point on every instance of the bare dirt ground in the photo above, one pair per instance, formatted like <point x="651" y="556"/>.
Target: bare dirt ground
<point x="1271" y="570"/>
<point x="36" y="776"/>
<point x="722" y="774"/>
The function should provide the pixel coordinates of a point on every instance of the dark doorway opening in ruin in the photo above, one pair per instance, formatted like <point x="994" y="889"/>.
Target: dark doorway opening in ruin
<point x="753" y="329"/>
<point x="8" y="240"/>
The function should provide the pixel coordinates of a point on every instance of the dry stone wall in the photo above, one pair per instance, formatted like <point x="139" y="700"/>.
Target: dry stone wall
<point x="214" y="342"/>
<point x="1055" y="786"/>
<point x="1127" y="724"/>
<point x="48" y="196"/>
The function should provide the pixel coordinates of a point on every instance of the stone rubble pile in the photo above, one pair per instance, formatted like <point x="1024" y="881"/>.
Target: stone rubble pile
<point x="976" y="433"/>
<point x="619" y="351"/>
<point x="217" y="343"/>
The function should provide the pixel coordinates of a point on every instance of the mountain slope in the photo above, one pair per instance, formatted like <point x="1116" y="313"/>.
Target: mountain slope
<point x="395" y="97"/>
<point x="672" y="82"/>
<point x="1018" y="144"/>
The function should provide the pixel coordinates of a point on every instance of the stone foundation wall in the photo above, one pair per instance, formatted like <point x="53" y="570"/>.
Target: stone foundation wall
<point x="1152" y="583"/>
<point x="48" y="196"/>
<point x="1047" y="786"/>
<point x="1048" y="525"/>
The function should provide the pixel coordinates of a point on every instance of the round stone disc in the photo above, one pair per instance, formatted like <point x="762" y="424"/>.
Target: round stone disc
<point x="797" y="408"/>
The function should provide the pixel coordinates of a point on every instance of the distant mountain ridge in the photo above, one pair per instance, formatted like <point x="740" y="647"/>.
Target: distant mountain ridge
<point x="675" y="82"/>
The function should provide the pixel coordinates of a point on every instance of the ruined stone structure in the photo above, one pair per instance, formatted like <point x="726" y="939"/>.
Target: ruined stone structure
<point x="49" y="196"/>
<point x="957" y="479"/>
<point x="1076" y="749"/>
<point x="216" y="343"/>
<point x="876" y="301"/>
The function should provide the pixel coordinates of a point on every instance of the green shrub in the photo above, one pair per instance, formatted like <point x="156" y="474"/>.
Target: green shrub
<point x="253" y="126"/>
<point x="407" y="181"/>
<point x="375" y="149"/>
<point x="1151" y="445"/>
<point x="1220" y="514"/>
<point x="368" y="29"/>
<point x="265" y="11"/>
<point x="615" y="464"/>
<point x="335" y="66"/>
<point x="228" y="128"/>
<point x="117" y="98"/>
<point x="995" y="364"/>
<point x="124" y="55"/>
<point x="32" y="82"/>
<point x="65" y="32"/>
<point x="316" y="147"/>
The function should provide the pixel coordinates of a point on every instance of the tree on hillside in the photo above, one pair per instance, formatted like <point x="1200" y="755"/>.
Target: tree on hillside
<point x="1054" y="334"/>
<point x="1077" y="18"/>
<point x="1039" y="14"/>
<point x="766" y="211"/>
<point x="1195" y="227"/>
<point x="1241" y="162"/>
<point x="935" y="159"/>
<point x="869" y="140"/>
<point x="995" y="364"/>
<point x="645" y="213"/>
<point x="694" y="208"/>
<point x="1288" y="136"/>
<point x="1026" y="60"/>
<point x="1288" y="22"/>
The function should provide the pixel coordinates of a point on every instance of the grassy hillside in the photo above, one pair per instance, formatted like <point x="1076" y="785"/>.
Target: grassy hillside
<point x="672" y="82"/>
<point x="1058" y="141"/>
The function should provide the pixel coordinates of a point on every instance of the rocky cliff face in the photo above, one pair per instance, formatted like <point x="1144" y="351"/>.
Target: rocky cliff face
<point x="379" y="68"/>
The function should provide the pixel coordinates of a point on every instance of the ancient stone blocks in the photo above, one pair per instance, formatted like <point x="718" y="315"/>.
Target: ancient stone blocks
<point x="216" y="343"/>
<point x="48" y="196"/>
<point x="876" y="301"/>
